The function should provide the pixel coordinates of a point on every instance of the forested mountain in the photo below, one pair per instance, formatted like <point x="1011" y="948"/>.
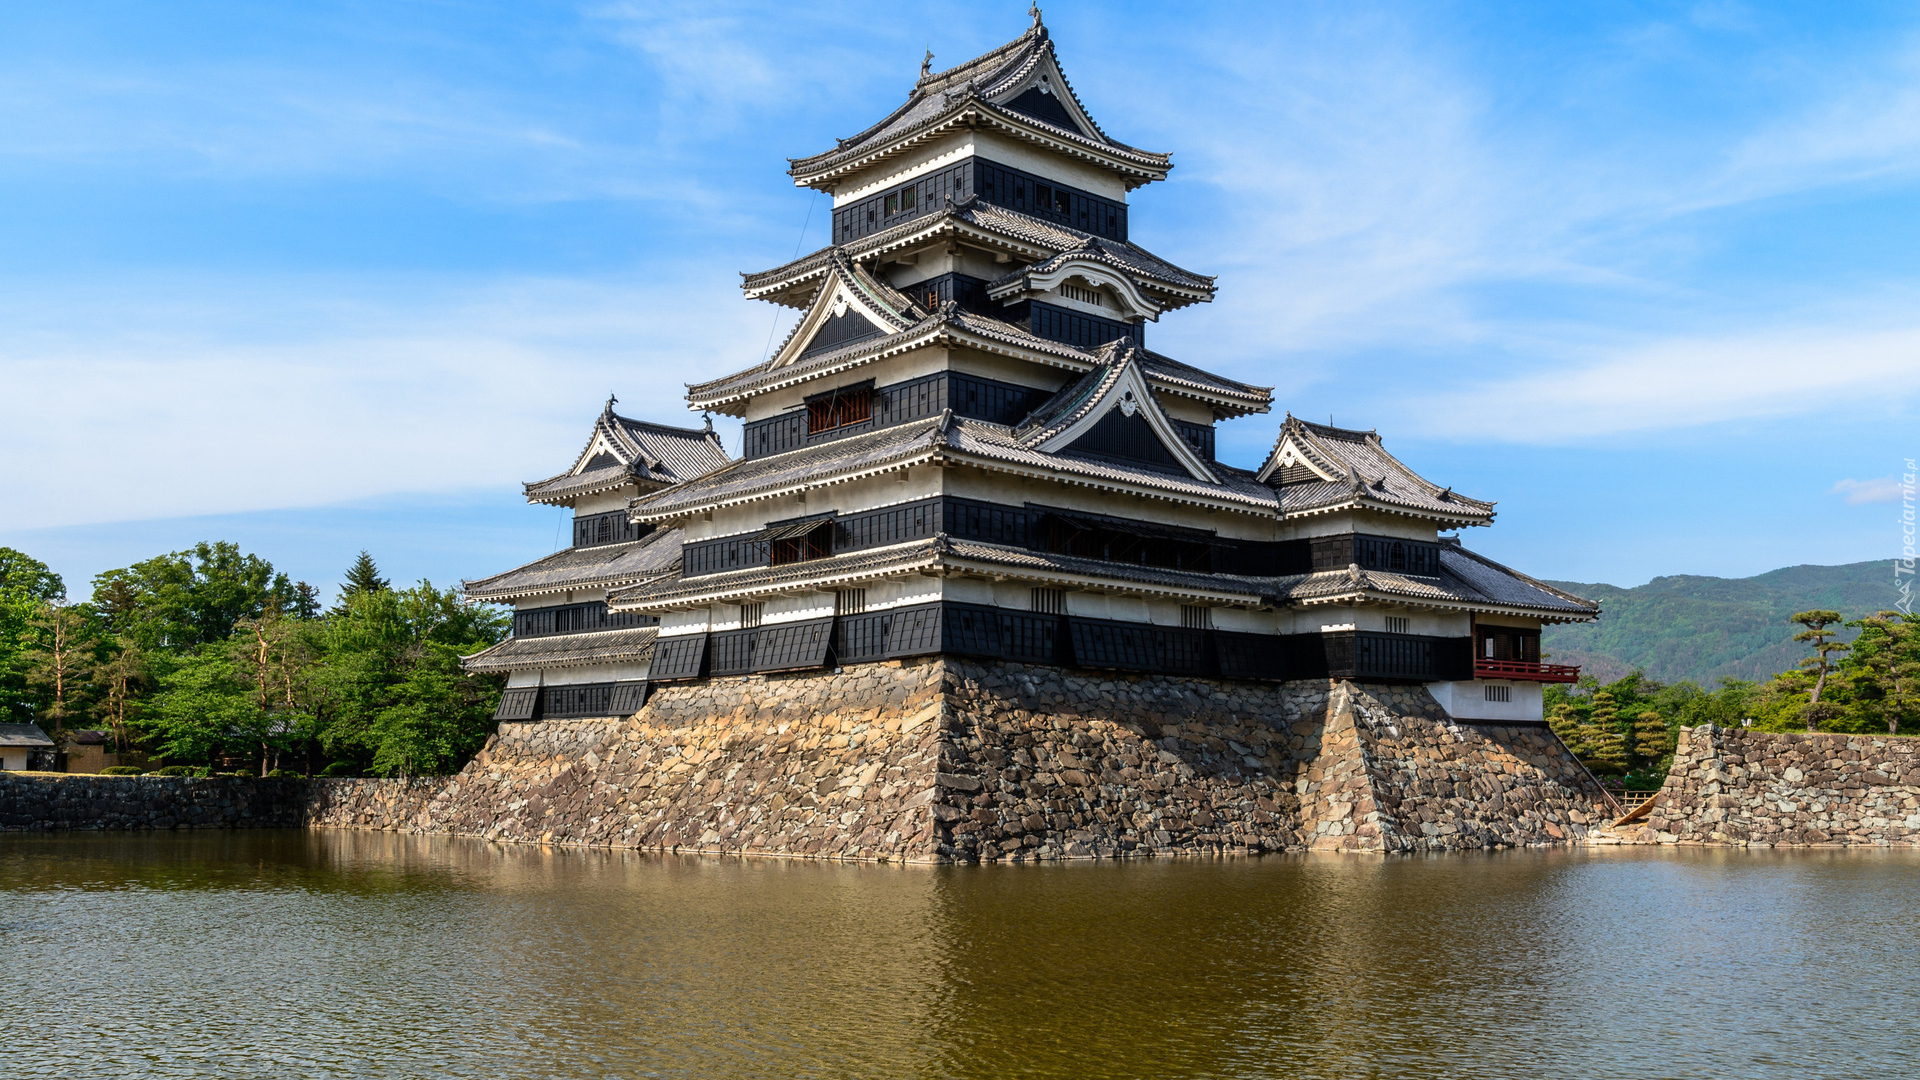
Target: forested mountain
<point x="1709" y="628"/>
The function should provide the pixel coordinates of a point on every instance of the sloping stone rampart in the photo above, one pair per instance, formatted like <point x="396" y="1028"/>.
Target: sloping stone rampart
<point x="1394" y="772"/>
<point x="1742" y="787"/>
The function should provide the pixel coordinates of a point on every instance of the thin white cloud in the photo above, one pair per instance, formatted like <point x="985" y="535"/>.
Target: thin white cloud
<point x="1878" y="490"/>
<point x="265" y="399"/>
<point x="1679" y="383"/>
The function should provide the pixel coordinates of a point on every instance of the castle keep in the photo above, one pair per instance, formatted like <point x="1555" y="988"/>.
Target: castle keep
<point x="978" y="554"/>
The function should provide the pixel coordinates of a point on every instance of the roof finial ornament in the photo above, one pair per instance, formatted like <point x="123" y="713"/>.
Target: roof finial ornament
<point x="708" y="417"/>
<point x="611" y="402"/>
<point x="926" y="65"/>
<point x="1035" y="12"/>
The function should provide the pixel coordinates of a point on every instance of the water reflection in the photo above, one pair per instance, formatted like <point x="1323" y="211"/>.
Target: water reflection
<point x="365" y="954"/>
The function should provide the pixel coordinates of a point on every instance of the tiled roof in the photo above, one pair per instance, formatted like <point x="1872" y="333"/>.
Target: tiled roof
<point x="941" y="97"/>
<point x="955" y="324"/>
<point x="938" y="551"/>
<point x="812" y="465"/>
<point x="643" y="453"/>
<point x="952" y="437"/>
<point x="1022" y="228"/>
<point x="634" y="646"/>
<point x="998" y="444"/>
<point x="24" y="735"/>
<point x="1117" y="255"/>
<point x="584" y="568"/>
<point x="1465" y="579"/>
<point x="1365" y="475"/>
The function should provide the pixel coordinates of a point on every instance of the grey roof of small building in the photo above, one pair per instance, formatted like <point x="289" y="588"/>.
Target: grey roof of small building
<point x="939" y="97"/>
<point x="1130" y="258"/>
<point x="947" y="436"/>
<point x="632" y="646"/>
<point x="599" y="567"/>
<point x="24" y="735"/>
<point x="1464" y="579"/>
<point x="1367" y="475"/>
<point x="956" y="324"/>
<point x="644" y="454"/>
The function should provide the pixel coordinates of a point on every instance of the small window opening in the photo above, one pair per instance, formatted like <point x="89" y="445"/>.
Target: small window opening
<point x="893" y="205"/>
<point x="750" y="615"/>
<point x="854" y="405"/>
<point x="1043" y="196"/>
<point x="1396" y="624"/>
<point x="1499" y="693"/>
<point x="1062" y="202"/>
<point x="1196" y="616"/>
<point x="1050" y="601"/>
<point x="850" y="602"/>
<point x="1397" y="556"/>
<point x="906" y="198"/>
<point x="817" y="544"/>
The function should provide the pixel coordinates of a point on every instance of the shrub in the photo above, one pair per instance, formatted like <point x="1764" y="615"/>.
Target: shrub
<point x="340" y="768"/>
<point x="281" y="773"/>
<point x="122" y="770"/>
<point x="176" y="770"/>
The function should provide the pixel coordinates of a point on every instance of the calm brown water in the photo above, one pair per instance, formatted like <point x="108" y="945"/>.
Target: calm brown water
<point x="324" y="954"/>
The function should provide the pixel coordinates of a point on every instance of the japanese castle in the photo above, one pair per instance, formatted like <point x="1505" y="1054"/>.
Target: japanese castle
<point x="968" y="446"/>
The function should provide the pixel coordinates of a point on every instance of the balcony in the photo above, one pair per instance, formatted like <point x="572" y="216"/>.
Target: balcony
<point x="1524" y="670"/>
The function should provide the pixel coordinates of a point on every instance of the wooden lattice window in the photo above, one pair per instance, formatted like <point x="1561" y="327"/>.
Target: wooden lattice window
<point x="817" y="544"/>
<point x="853" y="405"/>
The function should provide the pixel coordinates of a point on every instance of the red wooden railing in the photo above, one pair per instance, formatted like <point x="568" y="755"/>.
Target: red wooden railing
<point x="1524" y="670"/>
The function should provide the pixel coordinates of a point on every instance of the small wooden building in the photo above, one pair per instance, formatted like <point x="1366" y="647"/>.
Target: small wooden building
<point x="20" y="744"/>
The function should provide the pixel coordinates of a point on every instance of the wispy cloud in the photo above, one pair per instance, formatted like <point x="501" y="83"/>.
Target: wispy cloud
<point x="261" y="399"/>
<point x="1878" y="490"/>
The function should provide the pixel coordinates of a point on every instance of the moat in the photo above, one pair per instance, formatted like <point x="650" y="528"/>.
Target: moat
<point x="322" y="953"/>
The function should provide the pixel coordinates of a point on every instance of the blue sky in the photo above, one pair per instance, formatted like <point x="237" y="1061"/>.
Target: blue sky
<point x="331" y="276"/>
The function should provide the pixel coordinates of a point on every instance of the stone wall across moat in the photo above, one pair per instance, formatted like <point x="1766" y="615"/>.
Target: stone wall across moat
<point x="948" y="760"/>
<point x="1741" y="787"/>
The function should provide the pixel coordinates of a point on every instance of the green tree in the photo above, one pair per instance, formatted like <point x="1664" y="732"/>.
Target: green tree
<point x="1653" y="741"/>
<point x="27" y="586"/>
<point x="1824" y="643"/>
<point x="1609" y="743"/>
<point x="204" y="708"/>
<point x="121" y="676"/>
<point x="392" y="691"/>
<point x="63" y="652"/>
<point x="277" y="657"/>
<point x="363" y="576"/>
<point x="1885" y="665"/>
<point x="189" y="598"/>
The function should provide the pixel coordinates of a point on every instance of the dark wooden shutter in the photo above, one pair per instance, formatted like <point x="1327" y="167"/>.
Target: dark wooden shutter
<point x="517" y="703"/>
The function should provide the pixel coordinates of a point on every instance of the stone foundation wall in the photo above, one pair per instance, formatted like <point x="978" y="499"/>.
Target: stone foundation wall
<point x="40" y="802"/>
<point x="955" y="760"/>
<point x="1396" y="773"/>
<point x="950" y="760"/>
<point x="1764" y="789"/>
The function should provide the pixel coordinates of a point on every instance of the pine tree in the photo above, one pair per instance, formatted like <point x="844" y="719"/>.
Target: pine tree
<point x="306" y="601"/>
<point x="1652" y="741"/>
<point x="1608" y="742"/>
<point x="1821" y="639"/>
<point x="363" y="576"/>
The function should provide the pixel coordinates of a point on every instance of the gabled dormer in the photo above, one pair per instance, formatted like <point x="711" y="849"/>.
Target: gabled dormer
<point x="1321" y="469"/>
<point x="1111" y="412"/>
<point x="849" y="306"/>
<point x="624" y="458"/>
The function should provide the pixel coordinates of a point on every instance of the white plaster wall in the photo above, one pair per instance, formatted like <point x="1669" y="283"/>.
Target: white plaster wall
<point x="1394" y="525"/>
<point x="1467" y="700"/>
<point x="579" y="596"/>
<point x="600" y="504"/>
<point x="13" y="760"/>
<point x="1510" y="620"/>
<point x="1430" y="623"/>
<point x="676" y="623"/>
